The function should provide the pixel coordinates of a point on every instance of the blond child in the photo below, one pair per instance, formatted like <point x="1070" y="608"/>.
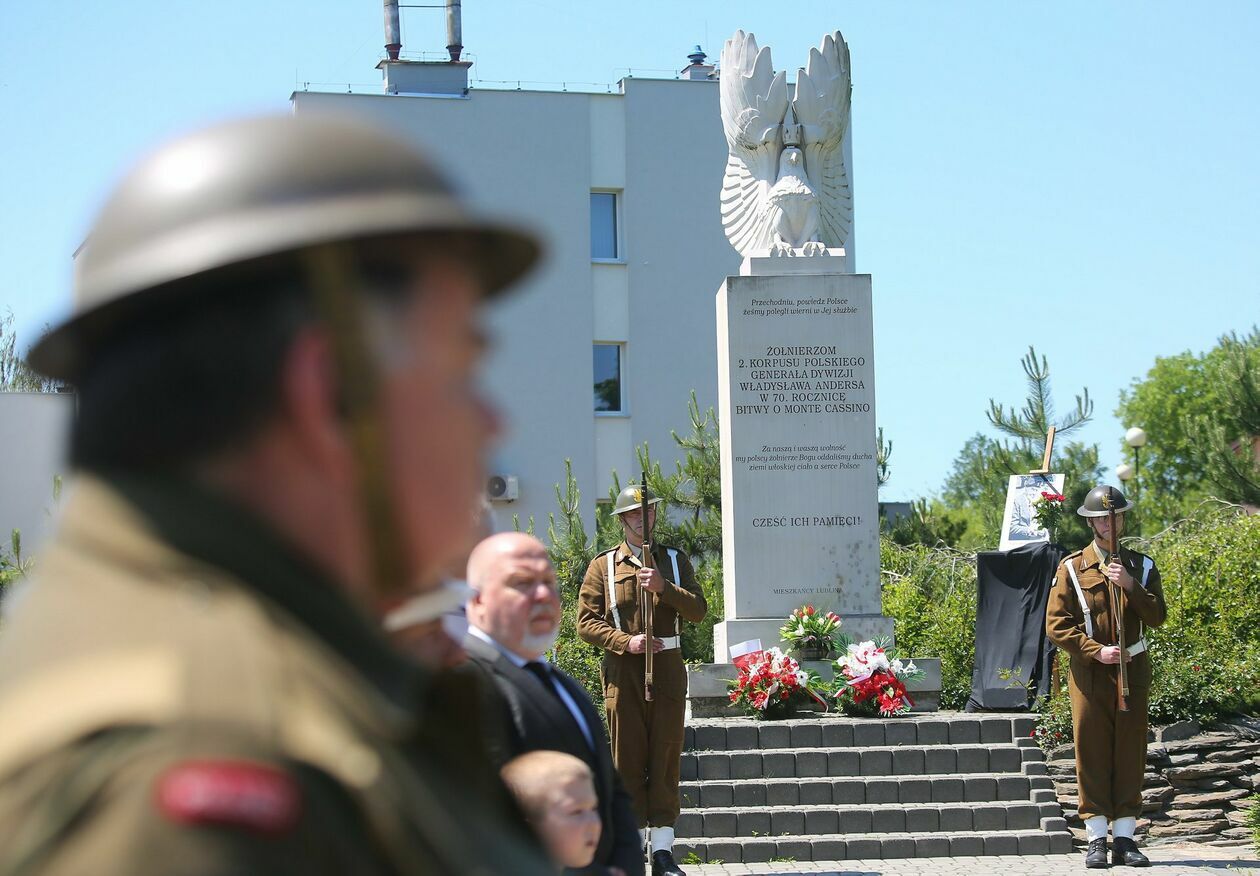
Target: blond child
<point x="556" y="791"/>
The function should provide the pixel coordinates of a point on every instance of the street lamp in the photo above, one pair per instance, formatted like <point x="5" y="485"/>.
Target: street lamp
<point x="1135" y="437"/>
<point x="1124" y="472"/>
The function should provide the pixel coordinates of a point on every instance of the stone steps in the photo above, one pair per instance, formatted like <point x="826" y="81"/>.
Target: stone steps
<point x="907" y="760"/>
<point x="839" y="847"/>
<point x="859" y="790"/>
<point x="830" y="788"/>
<point x="733" y="821"/>
<point x="724" y="734"/>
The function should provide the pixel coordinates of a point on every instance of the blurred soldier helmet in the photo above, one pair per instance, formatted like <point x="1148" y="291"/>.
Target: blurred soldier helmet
<point x="1102" y="500"/>
<point x="242" y="191"/>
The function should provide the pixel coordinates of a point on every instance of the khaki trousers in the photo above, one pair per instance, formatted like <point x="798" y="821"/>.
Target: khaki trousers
<point x="1110" y="744"/>
<point x="647" y="738"/>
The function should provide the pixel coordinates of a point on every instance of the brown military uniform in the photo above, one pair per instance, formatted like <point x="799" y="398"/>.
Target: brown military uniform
<point x="646" y="737"/>
<point x="180" y="692"/>
<point x="1110" y="744"/>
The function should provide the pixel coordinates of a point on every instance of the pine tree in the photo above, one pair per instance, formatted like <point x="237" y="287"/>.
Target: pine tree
<point x="1029" y="425"/>
<point x="976" y="488"/>
<point x="1231" y="463"/>
<point x="15" y="374"/>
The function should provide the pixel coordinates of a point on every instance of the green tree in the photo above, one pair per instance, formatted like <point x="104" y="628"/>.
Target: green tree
<point x="571" y="551"/>
<point x="1230" y="445"/>
<point x="883" y="453"/>
<point x="929" y="523"/>
<point x="15" y="374"/>
<point x="693" y="491"/>
<point x="975" y="490"/>
<point x="1189" y="406"/>
<point x="1028" y="426"/>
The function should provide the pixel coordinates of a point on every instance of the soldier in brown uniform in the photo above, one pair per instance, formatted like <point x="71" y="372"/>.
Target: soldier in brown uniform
<point x="1110" y="743"/>
<point x="277" y="439"/>
<point x="647" y="737"/>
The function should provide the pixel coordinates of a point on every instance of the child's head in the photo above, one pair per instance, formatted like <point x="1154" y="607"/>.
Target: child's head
<point x="557" y="793"/>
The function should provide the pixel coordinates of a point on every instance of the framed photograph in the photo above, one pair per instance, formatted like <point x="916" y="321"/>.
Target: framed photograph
<point x="1019" y="523"/>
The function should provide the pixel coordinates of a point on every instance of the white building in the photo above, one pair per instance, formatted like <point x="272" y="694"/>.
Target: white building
<point x="624" y="188"/>
<point x="33" y="426"/>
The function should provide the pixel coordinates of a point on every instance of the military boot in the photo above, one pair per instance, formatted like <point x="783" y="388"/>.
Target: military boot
<point x="1124" y="852"/>
<point x="663" y="864"/>
<point x="1096" y="857"/>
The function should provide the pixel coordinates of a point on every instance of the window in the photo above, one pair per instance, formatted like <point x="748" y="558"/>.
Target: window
<point x="608" y="392"/>
<point x="604" y="226"/>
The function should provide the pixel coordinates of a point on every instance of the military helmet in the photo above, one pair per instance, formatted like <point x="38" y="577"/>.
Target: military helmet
<point x="632" y="497"/>
<point x="1102" y="500"/>
<point x="253" y="188"/>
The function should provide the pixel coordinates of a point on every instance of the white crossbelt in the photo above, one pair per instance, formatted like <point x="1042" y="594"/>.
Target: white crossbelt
<point x="1137" y="647"/>
<point x="611" y="597"/>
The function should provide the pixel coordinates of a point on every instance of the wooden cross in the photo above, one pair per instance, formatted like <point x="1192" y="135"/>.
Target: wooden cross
<point x="1045" y="460"/>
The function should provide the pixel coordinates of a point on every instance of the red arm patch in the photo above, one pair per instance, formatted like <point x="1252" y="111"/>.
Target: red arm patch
<point x="241" y="794"/>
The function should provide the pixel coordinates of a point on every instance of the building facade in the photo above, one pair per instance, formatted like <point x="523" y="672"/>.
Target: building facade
<point x="609" y="338"/>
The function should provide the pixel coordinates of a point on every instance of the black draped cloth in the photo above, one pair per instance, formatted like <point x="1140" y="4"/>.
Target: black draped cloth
<point x="1011" y="626"/>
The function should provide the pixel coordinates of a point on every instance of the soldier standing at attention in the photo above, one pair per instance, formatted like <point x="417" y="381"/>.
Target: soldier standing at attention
<point x="277" y="439"/>
<point x="1110" y="743"/>
<point x="647" y="737"/>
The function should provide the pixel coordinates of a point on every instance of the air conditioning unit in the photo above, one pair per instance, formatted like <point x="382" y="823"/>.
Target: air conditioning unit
<point x="503" y="488"/>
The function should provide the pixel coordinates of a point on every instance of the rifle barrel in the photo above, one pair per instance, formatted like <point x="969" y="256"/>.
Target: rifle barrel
<point x="1117" y="614"/>
<point x="645" y="596"/>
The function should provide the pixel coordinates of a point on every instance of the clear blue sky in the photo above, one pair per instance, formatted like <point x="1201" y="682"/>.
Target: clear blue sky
<point x="1083" y="176"/>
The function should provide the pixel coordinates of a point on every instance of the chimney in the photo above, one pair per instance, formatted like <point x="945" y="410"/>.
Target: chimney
<point x="697" y="69"/>
<point x="454" y="29"/>
<point x="393" y="30"/>
<point x="431" y="78"/>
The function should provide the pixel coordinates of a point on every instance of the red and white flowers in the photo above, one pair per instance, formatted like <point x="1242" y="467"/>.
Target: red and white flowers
<point x="771" y="683"/>
<point x="869" y="679"/>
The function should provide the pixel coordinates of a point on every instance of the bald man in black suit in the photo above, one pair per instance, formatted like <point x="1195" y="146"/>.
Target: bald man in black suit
<point x="513" y="618"/>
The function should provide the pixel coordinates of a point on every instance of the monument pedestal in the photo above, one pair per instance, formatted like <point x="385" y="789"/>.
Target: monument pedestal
<point x="796" y="396"/>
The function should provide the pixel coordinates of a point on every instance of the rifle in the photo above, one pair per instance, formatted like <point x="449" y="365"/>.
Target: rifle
<point x="645" y="595"/>
<point x="1117" y="608"/>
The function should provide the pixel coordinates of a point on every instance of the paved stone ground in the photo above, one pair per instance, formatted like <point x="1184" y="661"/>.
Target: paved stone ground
<point x="1165" y="861"/>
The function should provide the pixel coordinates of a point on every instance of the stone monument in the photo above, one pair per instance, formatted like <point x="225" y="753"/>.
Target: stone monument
<point x="796" y="376"/>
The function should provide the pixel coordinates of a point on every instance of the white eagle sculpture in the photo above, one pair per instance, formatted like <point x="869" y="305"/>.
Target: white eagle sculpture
<point x="786" y="189"/>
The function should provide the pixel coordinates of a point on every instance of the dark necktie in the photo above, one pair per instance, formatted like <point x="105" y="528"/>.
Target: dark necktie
<point x="540" y="671"/>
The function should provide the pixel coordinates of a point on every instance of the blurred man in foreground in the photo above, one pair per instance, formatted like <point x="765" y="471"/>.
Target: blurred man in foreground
<point x="274" y="344"/>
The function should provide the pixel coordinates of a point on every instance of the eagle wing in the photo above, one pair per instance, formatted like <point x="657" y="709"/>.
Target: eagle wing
<point x="824" y="90"/>
<point x="754" y="100"/>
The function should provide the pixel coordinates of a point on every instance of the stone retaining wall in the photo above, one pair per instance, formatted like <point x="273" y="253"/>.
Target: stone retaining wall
<point x="1197" y="785"/>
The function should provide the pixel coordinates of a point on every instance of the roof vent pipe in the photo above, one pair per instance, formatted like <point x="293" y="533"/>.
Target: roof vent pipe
<point x="454" y="29"/>
<point x="393" y="30"/>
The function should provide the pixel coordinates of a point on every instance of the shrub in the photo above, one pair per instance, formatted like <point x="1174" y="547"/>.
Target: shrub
<point x="1211" y="578"/>
<point x="1054" y="718"/>
<point x="697" y="639"/>
<point x="930" y="593"/>
<point x="1204" y="656"/>
<point x="1194" y="681"/>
